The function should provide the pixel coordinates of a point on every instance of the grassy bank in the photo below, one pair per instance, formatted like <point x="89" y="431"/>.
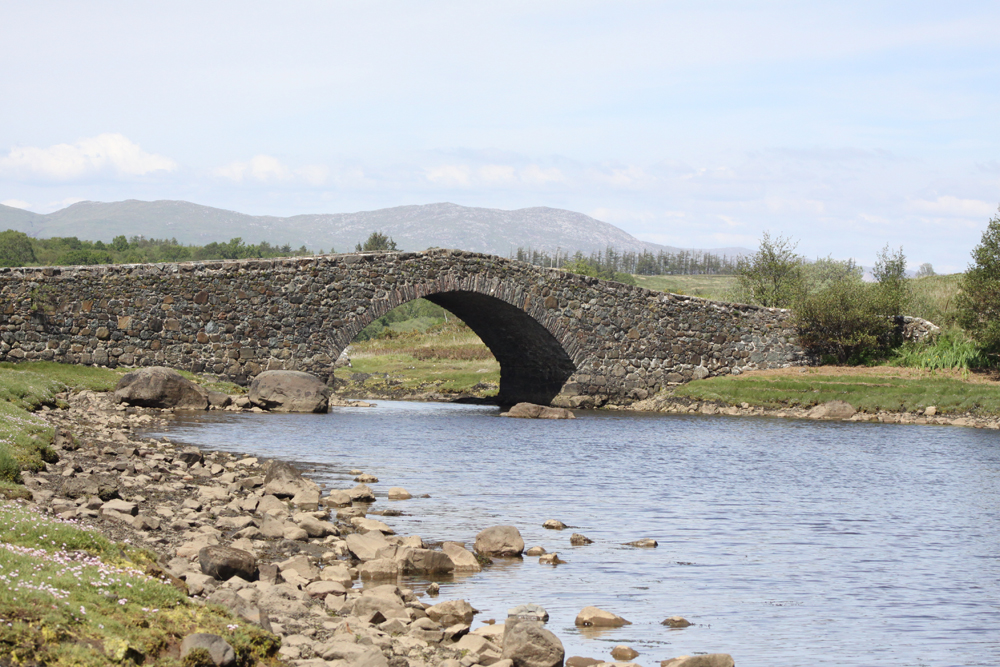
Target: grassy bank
<point x="444" y="357"/>
<point x="68" y="595"/>
<point x="704" y="286"/>
<point x="25" y="438"/>
<point x="867" y="389"/>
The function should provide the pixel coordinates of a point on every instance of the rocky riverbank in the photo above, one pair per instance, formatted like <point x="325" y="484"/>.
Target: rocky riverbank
<point x="311" y="565"/>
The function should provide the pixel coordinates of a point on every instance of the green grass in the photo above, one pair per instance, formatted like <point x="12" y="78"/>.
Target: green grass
<point x="934" y="298"/>
<point x="952" y="349"/>
<point x="73" y="377"/>
<point x="865" y="392"/>
<point x="717" y="288"/>
<point x="68" y="596"/>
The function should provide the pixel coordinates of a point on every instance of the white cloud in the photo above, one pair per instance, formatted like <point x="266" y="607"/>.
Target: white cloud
<point x="104" y="153"/>
<point x="953" y="207"/>
<point x="538" y="176"/>
<point x="498" y="173"/>
<point x="450" y="175"/>
<point x="263" y="168"/>
<point x="313" y="174"/>
<point x="16" y="203"/>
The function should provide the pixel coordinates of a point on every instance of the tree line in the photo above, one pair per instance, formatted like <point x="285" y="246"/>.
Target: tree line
<point x="611" y="262"/>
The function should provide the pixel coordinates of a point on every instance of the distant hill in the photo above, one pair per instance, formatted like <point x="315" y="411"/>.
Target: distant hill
<point x="441" y="225"/>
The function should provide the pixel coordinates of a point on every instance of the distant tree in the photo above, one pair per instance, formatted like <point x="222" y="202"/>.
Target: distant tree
<point x="119" y="243"/>
<point x="978" y="300"/>
<point x="377" y="242"/>
<point x="772" y="276"/>
<point x="15" y="249"/>
<point x="893" y="288"/>
<point x="925" y="270"/>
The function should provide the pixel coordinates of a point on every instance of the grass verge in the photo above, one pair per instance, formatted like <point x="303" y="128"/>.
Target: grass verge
<point x="866" y="389"/>
<point x="69" y="596"/>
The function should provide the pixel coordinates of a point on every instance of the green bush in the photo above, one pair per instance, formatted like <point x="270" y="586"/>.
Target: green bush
<point x="15" y="249"/>
<point x="952" y="349"/>
<point x="772" y="276"/>
<point x="584" y="267"/>
<point x="978" y="301"/>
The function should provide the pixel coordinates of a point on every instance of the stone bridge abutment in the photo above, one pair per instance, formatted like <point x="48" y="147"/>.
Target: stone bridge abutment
<point x="559" y="337"/>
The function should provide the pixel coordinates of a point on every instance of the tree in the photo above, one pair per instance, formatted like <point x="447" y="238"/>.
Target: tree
<point x="978" y="300"/>
<point x="377" y="242"/>
<point x="772" y="276"/>
<point x="15" y="249"/>
<point x="926" y="270"/>
<point x="119" y="243"/>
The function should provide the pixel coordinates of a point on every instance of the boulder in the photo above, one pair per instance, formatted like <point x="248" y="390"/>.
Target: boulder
<point x="380" y="568"/>
<point x="399" y="493"/>
<point x="578" y="540"/>
<point x="301" y="565"/>
<point x="831" y="410"/>
<point x="554" y="524"/>
<point x="706" y="660"/>
<point x="316" y="528"/>
<point x="535" y="551"/>
<point x="528" y="644"/>
<point x="337" y="498"/>
<point x="389" y="606"/>
<point x="532" y="411"/>
<point x="463" y="559"/>
<point x="337" y="573"/>
<point x="364" y="525"/>
<point x="499" y="541"/>
<point x="427" y="630"/>
<point x="225" y="562"/>
<point x="592" y="617"/>
<point x="362" y="493"/>
<point x="219" y="400"/>
<point x="451" y="612"/>
<point x="289" y="391"/>
<point x="159" y="387"/>
<point x="218" y="648"/>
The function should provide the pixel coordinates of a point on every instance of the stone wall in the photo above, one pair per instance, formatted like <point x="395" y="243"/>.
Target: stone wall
<point x="559" y="337"/>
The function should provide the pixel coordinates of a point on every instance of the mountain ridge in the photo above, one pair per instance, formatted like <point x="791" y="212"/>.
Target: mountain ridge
<point x="413" y="227"/>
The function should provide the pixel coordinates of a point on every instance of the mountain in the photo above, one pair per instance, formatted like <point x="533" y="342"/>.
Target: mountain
<point x="441" y="225"/>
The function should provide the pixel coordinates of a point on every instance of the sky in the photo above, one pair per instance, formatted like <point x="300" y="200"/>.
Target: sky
<point x="844" y="126"/>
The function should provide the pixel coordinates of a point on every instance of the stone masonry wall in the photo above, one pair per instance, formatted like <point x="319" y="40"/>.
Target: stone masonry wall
<point x="559" y="337"/>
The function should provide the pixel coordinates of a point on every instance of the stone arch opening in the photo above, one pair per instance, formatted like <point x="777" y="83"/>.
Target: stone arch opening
<point x="534" y="366"/>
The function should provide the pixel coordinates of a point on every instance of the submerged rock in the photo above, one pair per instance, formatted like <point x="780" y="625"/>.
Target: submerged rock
<point x="533" y="411"/>
<point x="592" y="617"/>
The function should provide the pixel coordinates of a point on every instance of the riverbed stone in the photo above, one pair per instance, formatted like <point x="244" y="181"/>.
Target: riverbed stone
<point x="593" y="617"/>
<point x="644" y="543"/>
<point x="226" y="562"/>
<point x="832" y="410"/>
<point x="463" y="559"/>
<point x="504" y="541"/>
<point x="705" y="660"/>
<point x="577" y="540"/>
<point x="554" y="524"/>
<point x="623" y="652"/>
<point x="676" y="622"/>
<point x="529" y="612"/>
<point x="533" y="411"/>
<point x="528" y="644"/>
<point x="451" y="612"/>
<point x="399" y="493"/>
<point x="365" y="546"/>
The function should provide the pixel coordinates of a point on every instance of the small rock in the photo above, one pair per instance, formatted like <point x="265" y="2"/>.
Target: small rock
<point x="592" y="617"/>
<point x="399" y="493"/>
<point x="451" y="612"/>
<point x="551" y="559"/>
<point x="533" y="411"/>
<point x="368" y="525"/>
<point x="433" y="589"/>
<point x="218" y="648"/>
<point x="706" y="660"/>
<point x="832" y="410"/>
<point x="464" y="560"/>
<point x="366" y="479"/>
<point x="121" y="506"/>
<point x="553" y="524"/>
<point x="534" y="551"/>
<point x="529" y="612"/>
<point x="578" y="540"/>
<point x="645" y="543"/>
<point x="930" y="411"/>
<point x="579" y="661"/>
<point x="676" y="622"/>
<point x="622" y="652"/>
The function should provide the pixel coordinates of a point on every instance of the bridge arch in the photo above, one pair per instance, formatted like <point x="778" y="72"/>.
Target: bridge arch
<point x="534" y="365"/>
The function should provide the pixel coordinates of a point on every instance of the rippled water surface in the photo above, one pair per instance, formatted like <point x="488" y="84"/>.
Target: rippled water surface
<point x="784" y="542"/>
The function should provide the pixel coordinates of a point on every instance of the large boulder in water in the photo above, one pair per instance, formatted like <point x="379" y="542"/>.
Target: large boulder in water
<point x="533" y="411"/>
<point x="528" y="644"/>
<point x="499" y="541"/>
<point x="159" y="387"/>
<point x="289" y="391"/>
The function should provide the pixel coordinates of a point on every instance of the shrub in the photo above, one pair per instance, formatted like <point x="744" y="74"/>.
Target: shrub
<point x="772" y="276"/>
<point x="978" y="301"/>
<point x="15" y="249"/>
<point x="949" y="350"/>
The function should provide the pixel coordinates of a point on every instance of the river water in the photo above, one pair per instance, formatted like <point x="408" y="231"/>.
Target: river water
<point x="785" y="542"/>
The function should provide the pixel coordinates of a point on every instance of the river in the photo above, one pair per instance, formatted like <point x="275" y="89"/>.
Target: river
<point x="785" y="542"/>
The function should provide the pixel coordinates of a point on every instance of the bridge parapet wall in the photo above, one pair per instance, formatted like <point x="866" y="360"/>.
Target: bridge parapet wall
<point x="595" y="340"/>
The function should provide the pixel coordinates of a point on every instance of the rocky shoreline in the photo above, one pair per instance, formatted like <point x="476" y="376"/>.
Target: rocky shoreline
<point x="311" y="565"/>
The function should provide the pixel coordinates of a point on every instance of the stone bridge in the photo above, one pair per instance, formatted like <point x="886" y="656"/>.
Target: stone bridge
<point x="560" y="338"/>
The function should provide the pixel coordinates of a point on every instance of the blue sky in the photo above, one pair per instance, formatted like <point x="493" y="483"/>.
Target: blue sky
<point x="844" y="125"/>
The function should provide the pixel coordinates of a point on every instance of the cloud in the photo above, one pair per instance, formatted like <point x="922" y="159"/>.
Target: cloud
<point x="953" y="207"/>
<point x="109" y="152"/>
<point x="16" y="203"/>
<point x="268" y="169"/>
<point x="464" y="176"/>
